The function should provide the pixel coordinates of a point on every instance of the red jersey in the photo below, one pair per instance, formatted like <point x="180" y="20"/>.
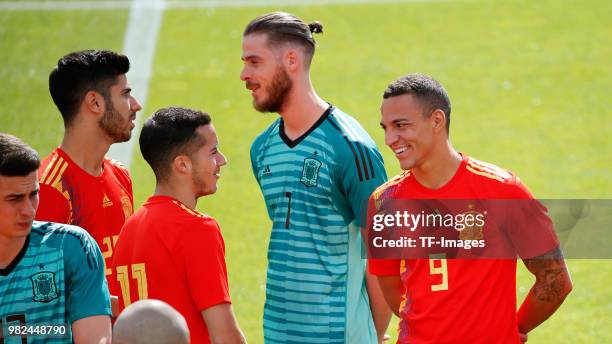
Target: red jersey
<point x="461" y="300"/>
<point x="100" y="205"/>
<point x="169" y="252"/>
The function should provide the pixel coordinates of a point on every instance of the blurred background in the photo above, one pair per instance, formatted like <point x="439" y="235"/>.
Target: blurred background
<point x="528" y="80"/>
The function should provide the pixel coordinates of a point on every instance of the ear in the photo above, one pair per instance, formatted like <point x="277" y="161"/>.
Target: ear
<point x="438" y="118"/>
<point x="182" y="164"/>
<point x="292" y="60"/>
<point x="94" y="102"/>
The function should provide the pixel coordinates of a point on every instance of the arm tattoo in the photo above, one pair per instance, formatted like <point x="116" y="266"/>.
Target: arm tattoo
<point x="549" y="271"/>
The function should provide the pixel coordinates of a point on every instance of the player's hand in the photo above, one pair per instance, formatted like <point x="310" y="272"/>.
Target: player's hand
<point x="523" y="337"/>
<point x="114" y="305"/>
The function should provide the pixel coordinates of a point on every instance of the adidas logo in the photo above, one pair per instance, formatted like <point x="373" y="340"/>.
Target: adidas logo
<point x="266" y="171"/>
<point x="106" y="202"/>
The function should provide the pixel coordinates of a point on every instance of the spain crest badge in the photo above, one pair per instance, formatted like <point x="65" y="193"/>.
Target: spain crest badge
<point x="43" y="287"/>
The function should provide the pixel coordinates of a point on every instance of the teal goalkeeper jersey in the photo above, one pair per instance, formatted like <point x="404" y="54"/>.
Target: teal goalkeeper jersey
<point x="56" y="279"/>
<point x="316" y="190"/>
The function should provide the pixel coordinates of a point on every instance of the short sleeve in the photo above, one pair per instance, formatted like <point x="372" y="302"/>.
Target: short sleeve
<point x="362" y="172"/>
<point x="86" y="289"/>
<point x="529" y="227"/>
<point x="52" y="205"/>
<point x="203" y="256"/>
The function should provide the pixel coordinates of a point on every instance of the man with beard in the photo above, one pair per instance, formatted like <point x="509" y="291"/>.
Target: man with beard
<point x="78" y="184"/>
<point x="316" y="168"/>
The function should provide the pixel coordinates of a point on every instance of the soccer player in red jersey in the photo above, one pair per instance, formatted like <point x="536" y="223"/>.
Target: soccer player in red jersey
<point x="443" y="300"/>
<point x="78" y="184"/>
<point x="167" y="250"/>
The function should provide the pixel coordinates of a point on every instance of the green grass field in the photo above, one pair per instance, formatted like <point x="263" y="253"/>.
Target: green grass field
<point x="528" y="80"/>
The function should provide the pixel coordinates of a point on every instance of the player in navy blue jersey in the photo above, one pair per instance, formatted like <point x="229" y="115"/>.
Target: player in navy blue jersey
<point x="316" y="168"/>
<point x="52" y="285"/>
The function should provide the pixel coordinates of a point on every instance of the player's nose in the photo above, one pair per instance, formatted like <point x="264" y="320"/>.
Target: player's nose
<point x="222" y="160"/>
<point x="135" y="105"/>
<point x="244" y="75"/>
<point x="28" y="210"/>
<point x="390" y="138"/>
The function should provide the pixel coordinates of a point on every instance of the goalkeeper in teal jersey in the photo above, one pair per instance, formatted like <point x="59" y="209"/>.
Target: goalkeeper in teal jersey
<point x="316" y="168"/>
<point x="52" y="285"/>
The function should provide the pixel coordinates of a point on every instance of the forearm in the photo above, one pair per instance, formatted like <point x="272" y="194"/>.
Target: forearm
<point x="114" y="306"/>
<point x="222" y="325"/>
<point x="92" y="330"/>
<point x="533" y="312"/>
<point x="381" y="313"/>
<point x="392" y="289"/>
<point x="228" y="334"/>
<point x="231" y="337"/>
<point x="550" y="289"/>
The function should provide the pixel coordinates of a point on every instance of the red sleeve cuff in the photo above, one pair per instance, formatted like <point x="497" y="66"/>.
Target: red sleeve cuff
<point x="205" y="306"/>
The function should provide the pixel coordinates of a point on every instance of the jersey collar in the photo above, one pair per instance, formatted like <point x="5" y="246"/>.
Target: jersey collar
<point x="9" y="268"/>
<point x="293" y="143"/>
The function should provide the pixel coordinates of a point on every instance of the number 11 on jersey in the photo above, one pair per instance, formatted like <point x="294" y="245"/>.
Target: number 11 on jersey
<point x="139" y="274"/>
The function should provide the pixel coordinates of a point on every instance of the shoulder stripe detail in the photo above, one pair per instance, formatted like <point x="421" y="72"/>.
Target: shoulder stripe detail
<point x="344" y="123"/>
<point x="368" y="174"/>
<point x="370" y="163"/>
<point x="391" y="182"/>
<point x="403" y="300"/>
<point x="355" y="155"/>
<point x="489" y="168"/>
<point x="350" y="146"/>
<point x="117" y="163"/>
<point x="52" y="169"/>
<point x="189" y="210"/>
<point x="56" y="181"/>
<point x="348" y="124"/>
<point x="484" y="174"/>
<point x="48" y="169"/>
<point x="365" y="168"/>
<point x="70" y="212"/>
<point x="86" y="245"/>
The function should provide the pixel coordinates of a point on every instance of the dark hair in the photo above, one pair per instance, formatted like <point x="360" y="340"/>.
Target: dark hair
<point x="16" y="157"/>
<point x="80" y="72"/>
<point x="426" y="89"/>
<point x="283" y="27"/>
<point x="170" y="132"/>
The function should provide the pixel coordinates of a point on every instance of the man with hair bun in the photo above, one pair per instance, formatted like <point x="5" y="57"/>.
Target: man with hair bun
<point x="316" y="167"/>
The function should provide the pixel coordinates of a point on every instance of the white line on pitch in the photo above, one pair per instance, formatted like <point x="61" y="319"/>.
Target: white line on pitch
<point x="283" y="3"/>
<point x="109" y="4"/>
<point x="139" y="45"/>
